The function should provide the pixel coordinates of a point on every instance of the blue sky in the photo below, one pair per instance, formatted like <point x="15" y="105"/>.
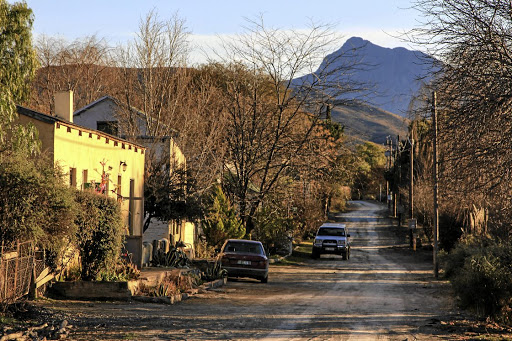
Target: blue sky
<point x="116" y="20"/>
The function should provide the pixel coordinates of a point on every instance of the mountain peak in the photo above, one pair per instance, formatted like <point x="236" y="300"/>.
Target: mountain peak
<point x="355" y="40"/>
<point x="393" y="73"/>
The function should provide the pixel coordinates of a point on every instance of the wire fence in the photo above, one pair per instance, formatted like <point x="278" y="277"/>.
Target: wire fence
<point x="16" y="265"/>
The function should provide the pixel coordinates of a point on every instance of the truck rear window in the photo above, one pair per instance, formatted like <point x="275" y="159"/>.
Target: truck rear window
<point x="328" y="231"/>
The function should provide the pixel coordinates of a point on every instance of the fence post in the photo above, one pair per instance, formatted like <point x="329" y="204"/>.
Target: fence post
<point x="32" y="293"/>
<point x="6" y="279"/>
<point x="16" y="267"/>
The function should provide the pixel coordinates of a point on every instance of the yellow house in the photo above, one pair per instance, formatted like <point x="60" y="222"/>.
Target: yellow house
<point x="91" y="158"/>
<point x="106" y="114"/>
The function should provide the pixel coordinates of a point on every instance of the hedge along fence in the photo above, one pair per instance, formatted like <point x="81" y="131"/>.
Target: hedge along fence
<point x="480" y="272"/>
<point x="100" y="233"/>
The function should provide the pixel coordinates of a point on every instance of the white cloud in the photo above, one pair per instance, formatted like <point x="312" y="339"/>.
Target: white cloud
<point x="203" y="46"/>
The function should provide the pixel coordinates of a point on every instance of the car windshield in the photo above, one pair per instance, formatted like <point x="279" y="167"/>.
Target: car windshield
<point x="331" y="231"/>
<point x="244" y="247"/>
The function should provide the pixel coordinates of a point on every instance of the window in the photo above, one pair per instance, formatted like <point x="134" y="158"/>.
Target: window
<point x="109" y="127"/>
<point x="131" y="207"/>
<point x="244" y="247"/>
<point x="326" y="231"/>
<point x="85" y="176"/>
<point x="72" y="177"/>
<point x="119" y="195"/>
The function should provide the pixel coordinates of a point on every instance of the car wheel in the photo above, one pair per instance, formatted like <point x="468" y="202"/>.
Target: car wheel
<point x="264" y="279"/>
<point x="344" y="256"/>
<point x="315" y="255"/>
<point x="348" y="254"/>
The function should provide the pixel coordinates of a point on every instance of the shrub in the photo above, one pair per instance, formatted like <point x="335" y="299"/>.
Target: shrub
<point x="173" y="283"/>
<point x="274" y="230"/>
<point x="203" y="250"/>
<point x="34" y="203"/>
<point x="450" y="231"/>
<point x="480" y="273"/>
<point x="100" y="233"/>
<point x="123" y="271"/>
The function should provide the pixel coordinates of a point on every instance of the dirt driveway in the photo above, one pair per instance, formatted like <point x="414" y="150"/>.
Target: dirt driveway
<point x="384" y="292"/>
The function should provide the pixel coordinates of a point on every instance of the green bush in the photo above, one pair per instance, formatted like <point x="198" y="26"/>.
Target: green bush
<point x="100" y="233"/>
<point x="274" y="230"/>
<point x="34" y="204"/>
<point x="123" y="271"/>
<point x="480" y="273"/>
<point x="222" y="221"/>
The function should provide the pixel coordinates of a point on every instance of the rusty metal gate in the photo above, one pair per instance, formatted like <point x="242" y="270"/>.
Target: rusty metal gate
<point x="16" y="265"/>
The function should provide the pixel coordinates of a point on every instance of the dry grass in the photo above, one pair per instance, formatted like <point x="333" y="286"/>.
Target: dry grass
<point x="366" y="123"/>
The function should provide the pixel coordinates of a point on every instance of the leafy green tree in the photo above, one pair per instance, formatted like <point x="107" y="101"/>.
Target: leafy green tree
<point x="222" y="221"/>
<point x="100" y="233"/>
<point x="275" y="228"/>
<point x="34" y="203"/>
<point x="17" y="68"/>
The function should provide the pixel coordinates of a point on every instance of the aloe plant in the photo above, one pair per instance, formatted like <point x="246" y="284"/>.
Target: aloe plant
<point x="175" y="257"/>
<point x="214" y="271"/>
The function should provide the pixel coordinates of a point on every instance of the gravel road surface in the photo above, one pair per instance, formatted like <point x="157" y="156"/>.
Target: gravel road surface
<point x="385" y="291"/>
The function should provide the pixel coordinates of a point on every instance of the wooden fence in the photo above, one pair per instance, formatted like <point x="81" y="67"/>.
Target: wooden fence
<point x="18" y="263"/>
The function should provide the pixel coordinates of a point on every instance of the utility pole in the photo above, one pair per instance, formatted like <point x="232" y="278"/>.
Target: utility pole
<point x="398" y="199"/>
<point x="388" y="169"/>
<point x="411" y="175"/>
<point x="436" y="184"/>
<point x="412" y="229"/>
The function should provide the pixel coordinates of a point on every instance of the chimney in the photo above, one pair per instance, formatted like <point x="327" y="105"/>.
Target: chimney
<point x="64" y="105"/>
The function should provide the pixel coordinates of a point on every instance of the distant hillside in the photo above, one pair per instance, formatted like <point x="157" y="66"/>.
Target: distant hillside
<point x="366" y="123"/>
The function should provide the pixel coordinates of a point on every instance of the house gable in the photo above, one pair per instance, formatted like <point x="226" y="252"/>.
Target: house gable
<point x="99" y="115"/>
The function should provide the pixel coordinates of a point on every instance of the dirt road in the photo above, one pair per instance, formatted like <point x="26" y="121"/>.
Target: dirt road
<point x="384" y="292"/>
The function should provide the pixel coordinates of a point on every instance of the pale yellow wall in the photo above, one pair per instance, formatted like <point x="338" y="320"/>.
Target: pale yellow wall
<point x="190" y="236"/>
<point x="176" y="155"/>
<point x="88" y="151"/>
<point x="45" y="131"/>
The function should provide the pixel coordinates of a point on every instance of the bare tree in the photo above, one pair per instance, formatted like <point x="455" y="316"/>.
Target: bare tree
<point x="202" y="130"/>
<point x="154" y="73"/>
<point x="272" y="110"/>
<point x="82" y="66"/>
<point x="473" y="41"/>
<point x="176" y="100"/>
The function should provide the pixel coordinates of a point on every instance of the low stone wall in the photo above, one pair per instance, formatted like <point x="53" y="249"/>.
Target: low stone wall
<point x="119" y="291"/>
<point x="84" y="290"/>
